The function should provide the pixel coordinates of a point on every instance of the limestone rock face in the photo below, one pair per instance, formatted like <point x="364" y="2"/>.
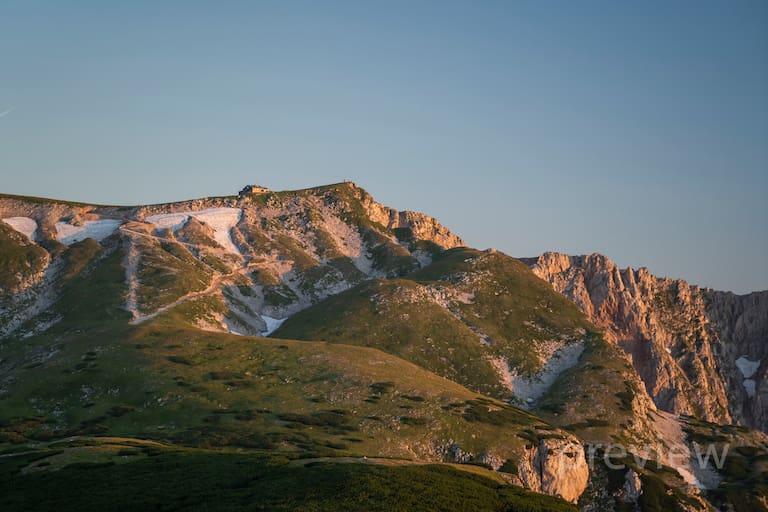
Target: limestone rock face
<point x="556" y="467"/>
<point x="683" y="340"/>
<point x="423" y="226"/>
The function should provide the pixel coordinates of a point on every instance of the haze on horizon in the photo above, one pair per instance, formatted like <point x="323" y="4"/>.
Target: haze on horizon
<point x="639" y="131"/>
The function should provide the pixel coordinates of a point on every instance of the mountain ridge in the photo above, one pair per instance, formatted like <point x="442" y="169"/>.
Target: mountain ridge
<point x="674" y="332"/>
<point x="265" y="226"/>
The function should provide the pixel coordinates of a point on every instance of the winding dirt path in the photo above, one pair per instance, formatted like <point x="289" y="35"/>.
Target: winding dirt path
<point x="131" y="270"/>
<point x="213" y="287"/>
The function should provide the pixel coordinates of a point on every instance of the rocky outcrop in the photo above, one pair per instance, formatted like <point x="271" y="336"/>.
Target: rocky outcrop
<point x="683" y="340"/>
<point x="556" y="466"/>
<point x="422" y="226"/>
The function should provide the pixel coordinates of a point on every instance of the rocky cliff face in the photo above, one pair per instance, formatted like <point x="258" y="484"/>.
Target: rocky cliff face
<point x="422" y="226"/>
<point x="699" y="352"/>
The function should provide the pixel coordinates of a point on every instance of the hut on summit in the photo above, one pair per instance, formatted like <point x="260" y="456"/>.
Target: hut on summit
<point x="253" y="189"/>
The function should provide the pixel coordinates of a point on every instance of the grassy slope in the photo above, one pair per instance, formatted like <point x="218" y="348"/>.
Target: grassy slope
<point x="510" y="301"/>
<point x="43" y="374"/>
<point x="214" y="390"/>
<point x="595" y="398"/>
<point x="421" y="332"/>
<point x="508" y="304"/>
<point x="93" y="374"/>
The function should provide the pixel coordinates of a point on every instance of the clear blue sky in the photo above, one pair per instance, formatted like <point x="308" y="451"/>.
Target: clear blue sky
<point x="635" y="129"/>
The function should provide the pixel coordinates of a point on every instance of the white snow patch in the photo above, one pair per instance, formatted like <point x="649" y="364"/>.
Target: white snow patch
<point x="272" y="324"/>
<point x="221" y="220"/>
<point x="97" y="229"/>
<point x="747" y="367"/>
<point x="749" y="387"/>
<point x="23" y="225"/>
<point x="172" y="221"/>
<point x="532" y="388"/>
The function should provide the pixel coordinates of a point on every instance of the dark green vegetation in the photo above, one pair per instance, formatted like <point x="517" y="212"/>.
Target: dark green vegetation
<point x="745" y="479"/>
<point x="217" y="390"/>
<point x="203" y="480"/>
